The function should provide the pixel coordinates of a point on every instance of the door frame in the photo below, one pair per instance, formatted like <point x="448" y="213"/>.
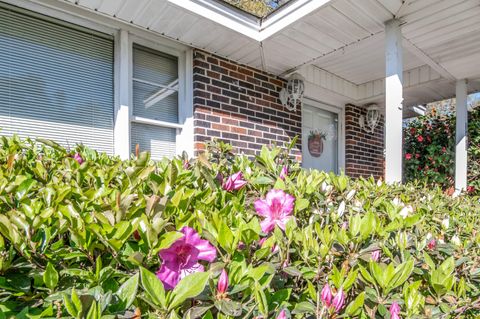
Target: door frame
<point x="341" y="128"/>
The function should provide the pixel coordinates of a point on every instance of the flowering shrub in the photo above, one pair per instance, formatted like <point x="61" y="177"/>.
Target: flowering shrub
<point x="104" y="238"/>
<point x="430" y="150"/>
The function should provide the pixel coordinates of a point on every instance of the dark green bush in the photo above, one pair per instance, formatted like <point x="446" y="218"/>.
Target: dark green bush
<point x="83" y="240"/>
<point x="430" y="150"/>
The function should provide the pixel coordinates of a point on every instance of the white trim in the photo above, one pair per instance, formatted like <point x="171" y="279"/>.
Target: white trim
<point x="123" y="93"/>
<point x="143" y="120"/>
<point x="461" y="135"/>
<point x="258" y="30"/>
<point x="340" y="129"/>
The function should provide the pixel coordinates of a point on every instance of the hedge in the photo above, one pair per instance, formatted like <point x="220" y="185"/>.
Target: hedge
<point x="430" y="150"/>
<point x="85" y="235"/>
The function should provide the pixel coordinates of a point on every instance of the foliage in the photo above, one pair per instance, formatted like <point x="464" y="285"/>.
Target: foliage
<point x="430" y="150"/>
<point x="83" y="240"/>
<point x="260" y="8"/>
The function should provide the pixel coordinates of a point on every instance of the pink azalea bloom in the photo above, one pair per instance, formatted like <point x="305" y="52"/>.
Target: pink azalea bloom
<point x="234" y="182"/>
<point x="394" y="311"/>
<point x="276" y="208"/>
<point x="222" y="285"/>
<point x="326" y="295"/>
<point x="338" y="301"/>
<point x="78" y="158"/>
<point x="282" y="315"/>
<point x="181" y="258"/>
<point x="375" y="255"/>
<point x="284" y="172"/>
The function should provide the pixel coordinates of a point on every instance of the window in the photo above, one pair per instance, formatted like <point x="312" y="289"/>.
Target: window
<point x="155" y="119"/>
<point x="56" y="81"/>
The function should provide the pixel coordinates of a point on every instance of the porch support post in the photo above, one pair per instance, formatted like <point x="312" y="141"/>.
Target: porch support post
<point x="121" y="132"/>
<point x="393" y="102"/>
<point x="461" y="136"/>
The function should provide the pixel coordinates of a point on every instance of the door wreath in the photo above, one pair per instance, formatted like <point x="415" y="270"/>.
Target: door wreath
<point x="315" y="143"/>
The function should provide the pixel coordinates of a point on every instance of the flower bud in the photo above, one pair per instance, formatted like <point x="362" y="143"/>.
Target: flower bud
<point x="339" y="301"/>
<point x="432" y="244"/>
<point x="394" y="311"/>
<point x="222" y="285"/>
<point x="284" y="172"/>
<point x="375" y="255"/>
<point x="282" y="315"/>
<point x="78" y="158"/>
<point x="326" y="295"/>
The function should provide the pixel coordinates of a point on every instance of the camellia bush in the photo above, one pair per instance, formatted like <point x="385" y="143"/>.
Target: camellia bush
<point x="85" y="235"/>
<point x="430" y="150"/>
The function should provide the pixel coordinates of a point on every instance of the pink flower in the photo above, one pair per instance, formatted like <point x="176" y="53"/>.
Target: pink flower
<point x="432" y="244"/>
<point x="186" y="164"/>
<point x="339" y="300"/>
<point x="222" y="285"/>
<point x="234" y="182"/>
<point x="408" y="156"/>
<point x="394" y="311"/>
<point x="375" y="255"/>
<point x="277" y="209"/>
<point x="282" y="315"/>
<point x="326" y="295"/>
<point x="284" y="172"/>
<point x="420" y="138"/>
<point x="181" y="258"/>
<point x="78" y="158"/>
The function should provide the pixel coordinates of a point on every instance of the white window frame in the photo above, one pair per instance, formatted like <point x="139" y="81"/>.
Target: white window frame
<point x="340" y="128"/>
<point x="125" y="35"/>
<point x="184" y="134"/>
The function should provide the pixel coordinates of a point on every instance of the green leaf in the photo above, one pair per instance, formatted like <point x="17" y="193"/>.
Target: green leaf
<point x="127" y="293"/>
<point x="189" y="287"/>
<point x="153" y="287"/>
<point x="50" y="277"/>
<point x="354" y="307"/>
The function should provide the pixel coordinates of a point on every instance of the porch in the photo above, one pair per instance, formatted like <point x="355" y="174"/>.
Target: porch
<point x="396" y="54"/>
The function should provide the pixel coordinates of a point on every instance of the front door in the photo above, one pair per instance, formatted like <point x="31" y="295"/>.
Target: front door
<point x="319" y="138"/>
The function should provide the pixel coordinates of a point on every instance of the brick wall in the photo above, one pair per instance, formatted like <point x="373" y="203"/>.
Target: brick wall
<point x="239" y="105"/>
<point x="363" y="151"/>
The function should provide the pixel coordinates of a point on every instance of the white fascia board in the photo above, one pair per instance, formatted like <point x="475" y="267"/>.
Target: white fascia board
<point x="246" y="24"/>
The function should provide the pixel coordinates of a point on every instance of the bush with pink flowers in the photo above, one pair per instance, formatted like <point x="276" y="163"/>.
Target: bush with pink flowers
<point x="225" y="236"/>
<point x="430" y="150"/>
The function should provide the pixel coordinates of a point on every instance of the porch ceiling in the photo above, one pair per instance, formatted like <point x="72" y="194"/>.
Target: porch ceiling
<point x="343" y="37"/>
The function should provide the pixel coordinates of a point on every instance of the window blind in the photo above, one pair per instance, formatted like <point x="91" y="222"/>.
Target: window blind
<point x="155" y="97"/>
<point x="56" y="81"/>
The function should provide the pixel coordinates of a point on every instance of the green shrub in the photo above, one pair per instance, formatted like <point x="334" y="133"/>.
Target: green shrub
<point x="430" y="150"/>
<point x="83" y="240"/>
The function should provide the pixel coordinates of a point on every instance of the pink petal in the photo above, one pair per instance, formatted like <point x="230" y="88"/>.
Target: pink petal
<point x="168" y="276"/>
<point x="267" y="225"/>
<point x="262" y="208"/>
<point x="187" y="271"/>
<point x="275" y="195"/>
<point x="205" y="250"/>
<point x="288" y="204"/>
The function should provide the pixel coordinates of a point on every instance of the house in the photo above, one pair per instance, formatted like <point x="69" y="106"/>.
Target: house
<point x="170" y="75"/>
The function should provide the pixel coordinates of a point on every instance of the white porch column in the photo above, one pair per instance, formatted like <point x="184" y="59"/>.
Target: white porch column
<point x="393" y="101"/>
<point x="123" y="58"/>
<point x="461" y="136"/>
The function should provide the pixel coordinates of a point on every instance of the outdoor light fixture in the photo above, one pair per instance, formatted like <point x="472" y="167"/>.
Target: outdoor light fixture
<point x="292" y="95"/>
<point x="369" y="122"/>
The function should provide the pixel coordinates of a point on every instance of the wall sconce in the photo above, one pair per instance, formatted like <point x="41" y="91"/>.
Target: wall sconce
<point x="369" y="122"/>
<point x="292" y="95"/>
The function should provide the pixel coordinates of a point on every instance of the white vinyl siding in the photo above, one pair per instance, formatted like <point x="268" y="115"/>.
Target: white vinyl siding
<point x="155" y="101"/>
<point x="56" y="82"/>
